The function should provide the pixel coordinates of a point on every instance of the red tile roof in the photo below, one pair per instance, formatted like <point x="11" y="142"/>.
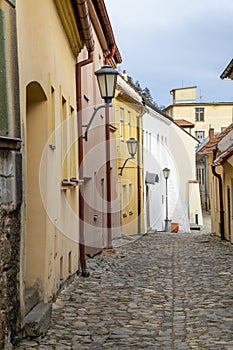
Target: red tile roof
<point x="212" y="143"/>
<point x="224" y="156"/>
<point x="184" y="123"/>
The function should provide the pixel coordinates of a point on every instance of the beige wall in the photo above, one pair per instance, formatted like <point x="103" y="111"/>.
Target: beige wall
<point x="183" y="151"/>
<point x="184" y="94"/>
<point x="215" y="116"/>
<point x="45" y="58"/>
<point x="182" y="143"/>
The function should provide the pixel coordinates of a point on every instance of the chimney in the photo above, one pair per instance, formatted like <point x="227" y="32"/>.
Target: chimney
<point x="211" y="134"/>
<point x="124" y="74"/>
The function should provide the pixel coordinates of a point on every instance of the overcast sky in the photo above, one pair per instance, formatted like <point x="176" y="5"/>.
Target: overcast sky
<point x="170" y="44"/>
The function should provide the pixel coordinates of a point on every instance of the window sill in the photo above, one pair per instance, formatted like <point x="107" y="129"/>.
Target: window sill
<point x="72" y="183"/>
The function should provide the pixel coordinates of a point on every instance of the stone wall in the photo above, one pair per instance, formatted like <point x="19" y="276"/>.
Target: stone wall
<point x="10" y="178"/>
<point x="10" y="201"/>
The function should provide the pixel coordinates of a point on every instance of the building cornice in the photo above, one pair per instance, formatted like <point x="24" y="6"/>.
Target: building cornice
<point x="228" y="71"/>
<point x="197" y="104"/>
<point x="104" y="22"/>
<point x="69" y="22"/>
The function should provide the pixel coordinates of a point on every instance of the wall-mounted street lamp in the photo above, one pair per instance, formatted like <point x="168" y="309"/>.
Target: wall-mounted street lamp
<point x="107" y="79"/>
<point x="132" y="149"/>
<point x="166" y="173"/>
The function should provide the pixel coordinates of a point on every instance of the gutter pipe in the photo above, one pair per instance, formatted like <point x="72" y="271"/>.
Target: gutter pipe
<point x="111" y="54"/>
<point x="139" y="176"/>
<point x="220" y="195"/>
<point x="89" y="41"/>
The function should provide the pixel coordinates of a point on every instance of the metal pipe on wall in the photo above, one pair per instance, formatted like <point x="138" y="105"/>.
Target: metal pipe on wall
<point x="220" y="196"/>
<point x="139" y="175"/>
<point x="79" y="66"/>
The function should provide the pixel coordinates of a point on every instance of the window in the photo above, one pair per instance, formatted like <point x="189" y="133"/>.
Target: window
<point x="69" y="263"/>
<point x="200" y="134"/>
<point x="52" y="116"/>
<point x="61" y="268"/>
<point x="202" y="176"/>
<point x="73" y="138"/>
<point x="129" y="124"/>
<point x="199" y="114"/>
<point x="64" y="132"/>
<point x="121" y="126"/>
<point x="149" y="145"/>
<point x="130" y="192"/>
<point x="199" y="175"/>
<point x="123" y="197"/>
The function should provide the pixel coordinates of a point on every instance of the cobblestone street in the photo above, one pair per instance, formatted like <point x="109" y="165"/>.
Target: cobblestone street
<point x="162" y="291"/>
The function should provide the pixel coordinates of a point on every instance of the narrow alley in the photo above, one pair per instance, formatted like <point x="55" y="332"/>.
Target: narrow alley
<point x="162" y="291"/>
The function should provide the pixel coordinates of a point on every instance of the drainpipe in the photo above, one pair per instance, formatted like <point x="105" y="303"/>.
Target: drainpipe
<point x="139" y="176"/>
<point x="89" y="41"/>
<point x="111" y="54"/>
<point x="220" y="195"/>
<point x="108" y="163"/>
<point x="79" y="66"/>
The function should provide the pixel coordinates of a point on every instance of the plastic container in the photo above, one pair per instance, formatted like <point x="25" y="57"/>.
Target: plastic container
<point x="174" y="227"/>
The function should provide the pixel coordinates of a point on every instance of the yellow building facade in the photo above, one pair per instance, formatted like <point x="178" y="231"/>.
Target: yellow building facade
<point x="128" y="122"/>
<point x="223" y="186"/>
<point x="215" y="158"/>
<point x="47" y="59"/>
<point x="58" y="57"/>
<point x="203" y="115"/>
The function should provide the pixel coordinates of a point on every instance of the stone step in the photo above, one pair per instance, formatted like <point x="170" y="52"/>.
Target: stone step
<point x="195" y="227"/>
<point x="31" y="297"/>
<point x="37" y="321"/>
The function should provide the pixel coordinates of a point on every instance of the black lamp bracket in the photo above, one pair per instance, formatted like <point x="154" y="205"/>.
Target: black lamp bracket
<point x="92" y="118"/>
<point x="122" y="167"/>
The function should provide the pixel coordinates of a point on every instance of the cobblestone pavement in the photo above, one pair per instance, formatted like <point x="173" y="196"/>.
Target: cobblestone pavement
<point x="162" y="291"/>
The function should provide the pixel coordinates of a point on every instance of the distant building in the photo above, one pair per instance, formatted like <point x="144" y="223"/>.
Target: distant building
<point x="223" y="164"/>
<point x="214" y="173"/>
<point x="128" y="110"/>
<point x="165" y="144"/>
<point x="203" y="115"/>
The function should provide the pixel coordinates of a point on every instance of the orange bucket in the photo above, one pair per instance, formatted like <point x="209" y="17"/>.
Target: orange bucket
<point x="174" y="227"/>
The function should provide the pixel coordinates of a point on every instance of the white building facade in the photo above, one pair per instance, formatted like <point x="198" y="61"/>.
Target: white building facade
<point x="165" y="144"/>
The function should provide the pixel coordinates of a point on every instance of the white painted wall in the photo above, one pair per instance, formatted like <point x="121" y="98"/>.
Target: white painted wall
<point x="165" y="144"/>
<point x="155" y="158"/>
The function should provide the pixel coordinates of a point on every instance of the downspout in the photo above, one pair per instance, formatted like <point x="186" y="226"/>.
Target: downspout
<point x="79" y="66"/>
<point x="111" y="54"/>
<point x="139" y="175"/>
<point x="108" y="164"/>
<point x="220" y="195"/>
<point x="89" y="41"/>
